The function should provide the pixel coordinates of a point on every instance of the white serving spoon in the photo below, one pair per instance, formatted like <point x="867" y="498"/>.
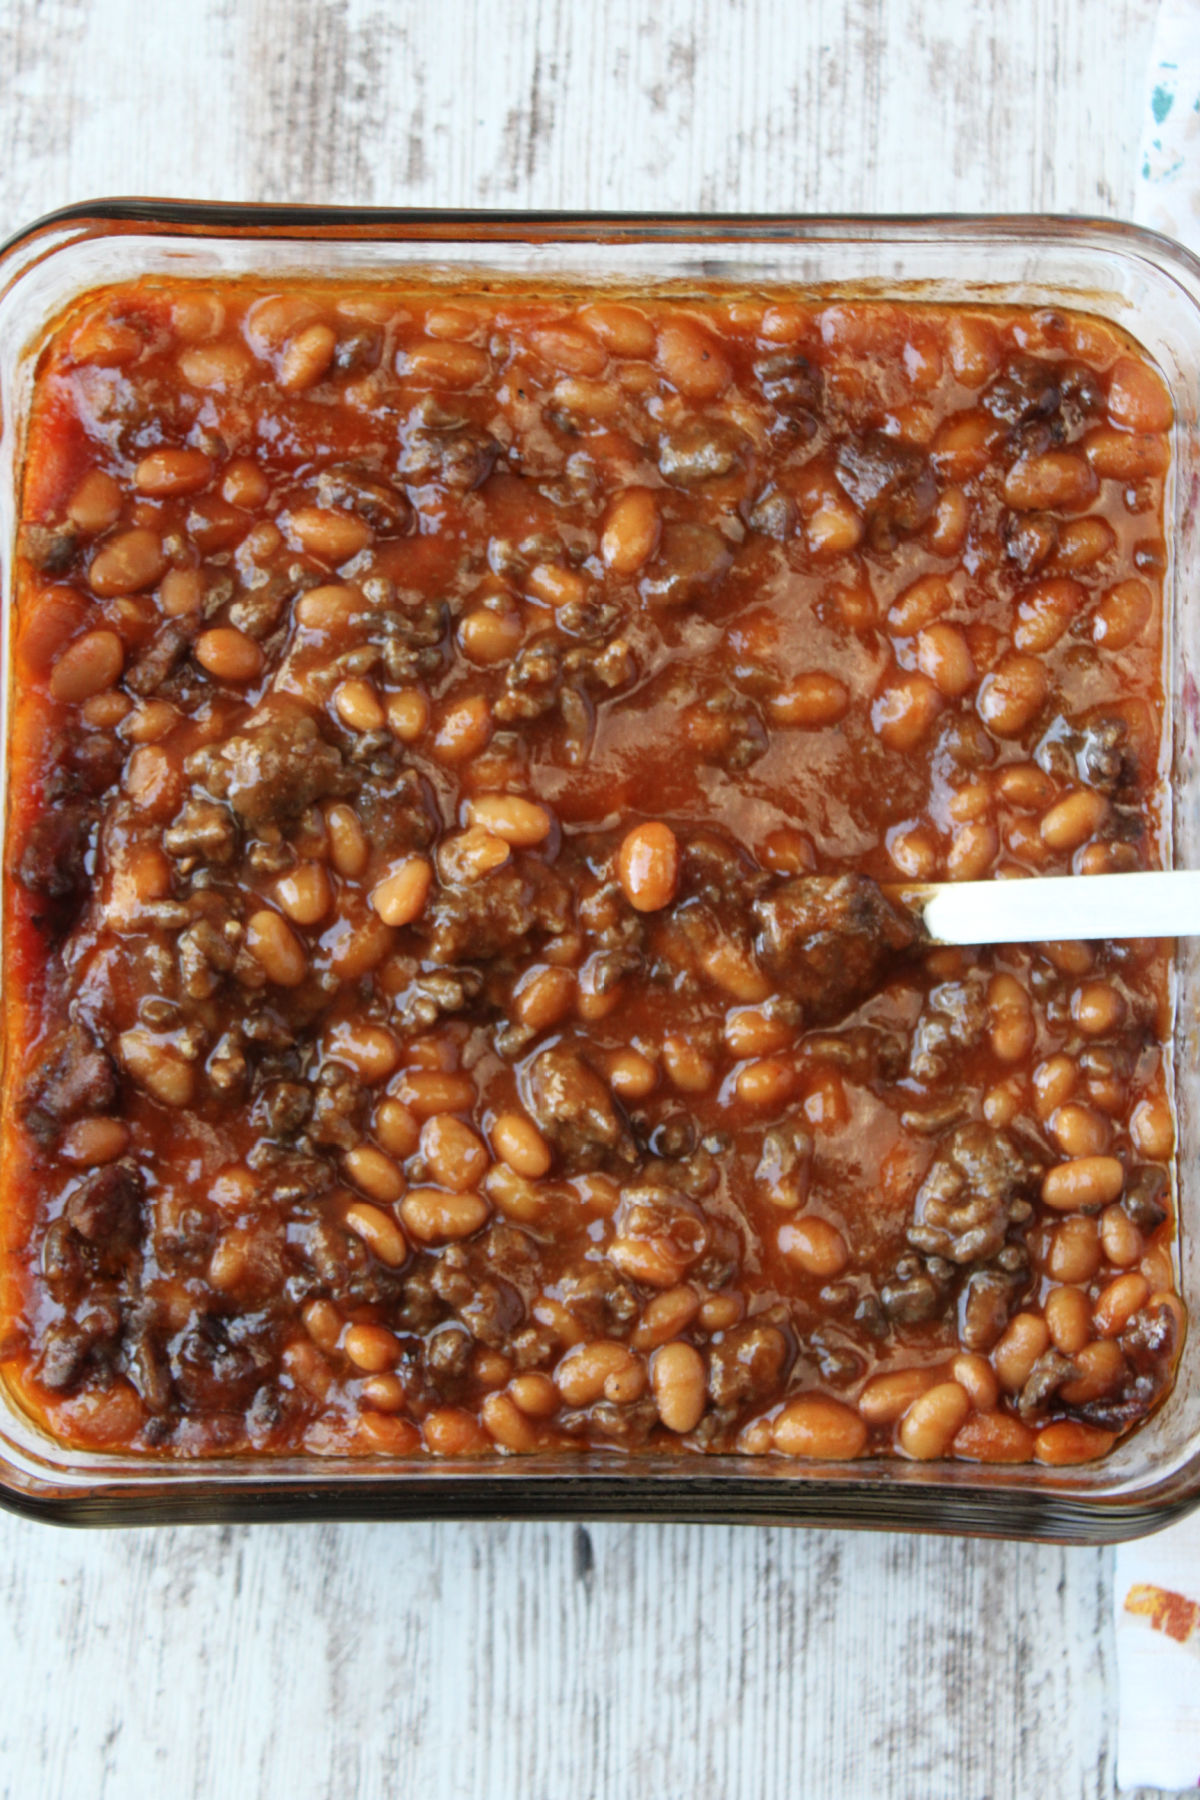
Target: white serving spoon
<point x="1159" y="903"/>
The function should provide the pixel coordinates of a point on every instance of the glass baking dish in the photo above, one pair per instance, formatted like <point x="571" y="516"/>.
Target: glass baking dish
<point x="1141" y="281"/>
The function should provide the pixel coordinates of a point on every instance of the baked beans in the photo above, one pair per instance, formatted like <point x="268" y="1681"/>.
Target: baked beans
<point x="426" y="1036"/>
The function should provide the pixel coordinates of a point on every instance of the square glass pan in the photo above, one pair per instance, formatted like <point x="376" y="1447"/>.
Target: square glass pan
<point x="1144" y="283"/>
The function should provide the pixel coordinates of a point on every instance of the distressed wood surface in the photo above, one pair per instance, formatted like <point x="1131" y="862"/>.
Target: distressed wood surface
<point x="546" y="1662"/>
<point x="825" y="105"/>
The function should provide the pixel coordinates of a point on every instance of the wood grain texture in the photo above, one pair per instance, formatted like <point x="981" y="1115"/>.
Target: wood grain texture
<point x="831" y="105"/>
<point x="545" y="1662"/>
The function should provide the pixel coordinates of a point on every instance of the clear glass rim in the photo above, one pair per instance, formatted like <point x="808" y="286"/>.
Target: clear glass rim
<point x="130" y="213"/>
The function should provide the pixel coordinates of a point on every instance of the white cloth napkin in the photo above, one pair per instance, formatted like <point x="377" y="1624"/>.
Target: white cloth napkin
<point x="1156" y="1591"/>
<point x="1169" y="167"/>
<point x="1156" y="1594"/>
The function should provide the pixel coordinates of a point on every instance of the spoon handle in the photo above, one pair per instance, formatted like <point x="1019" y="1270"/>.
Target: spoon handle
<point x="1159" y="903"/>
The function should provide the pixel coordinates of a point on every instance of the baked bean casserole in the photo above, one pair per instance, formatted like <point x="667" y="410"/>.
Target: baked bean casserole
<point x="424" y="1033"/>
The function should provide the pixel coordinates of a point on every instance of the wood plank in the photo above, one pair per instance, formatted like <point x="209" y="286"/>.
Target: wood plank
<point x="546" y="1660"/>
<point x="861" y="106"/>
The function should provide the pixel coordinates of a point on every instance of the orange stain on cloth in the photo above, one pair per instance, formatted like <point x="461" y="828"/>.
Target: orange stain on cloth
<point x="1168" y="1612"/>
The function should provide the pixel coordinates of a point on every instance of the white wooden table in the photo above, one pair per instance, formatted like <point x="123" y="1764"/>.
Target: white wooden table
<point x="543" y="1661"/>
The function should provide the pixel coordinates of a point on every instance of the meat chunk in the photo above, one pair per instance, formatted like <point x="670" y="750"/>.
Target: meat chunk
<point x="491" y="1312"/>
<point x="1045" y="1378"/>
<point x="1151" y="1334"/>
<point x="698" y="450"/>
<point x="361" y="490"/>
<point x="49" y="548"/>
<point x="358" y="350"/>
<point x="259" y="607"/>
<point x="65" y="1351"/>
<point x="1026" y="390"/>
<point x="53" y="860"/>
<point x="829" y="941"/>
<point x="205" y="954"/>
<point x="273" y="769"/>
<point x="784" y="1169"/>
<point x="88" y="766"/>
<point x="217" y="1364"/>
<point x="772" y="513"/>
<point x="64" y="1266"/>
<point x="916" y="1290"/>
<point x="106" y="1208"/>
<point x="75" y="1076"/>
<point x="71" y="1344"/>
<point x="227" y="1066"/>
<point x="203" y="830"/>
<point x="483" y="919"/>
<point x="532" y="681"/>
<point x="183" y="1232"/>
<point x="282" y="1108"/>
<point x="575" y="1109"/>
<point x="394" y="814"/>
<point x="290" y="1176"/>
<point x="433" y="995"/>
<point x="984" y="1307"/>
<point x="973" y="1192"/>
<point x="691" y="561"/>
<point x="159" y="660"/>
<point x="1098" y="753"/>
<point x="1146" y="1196"/>
<point x="458" y="456"/>
<point x="792" y="383"/>
<point x="448" y="1354"/>
<point x="149" y="1369"/>
<point x="345" y="1268"/>
<point x="495" y="914"/>
<point x="1105" y="758"/>
<point x="604" y="1306"/>
<point x="412" y="638"/>
<point x="746" y="1366"/>
<point x="954" y="1017"/>
<point x="890" y="482"/>
<point x="481" y="1290"/>
<point x="337" y="1104"/>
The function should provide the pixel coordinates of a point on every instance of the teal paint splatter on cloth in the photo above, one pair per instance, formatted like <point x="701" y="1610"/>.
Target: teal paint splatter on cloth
<point x="1169" y="160"/>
